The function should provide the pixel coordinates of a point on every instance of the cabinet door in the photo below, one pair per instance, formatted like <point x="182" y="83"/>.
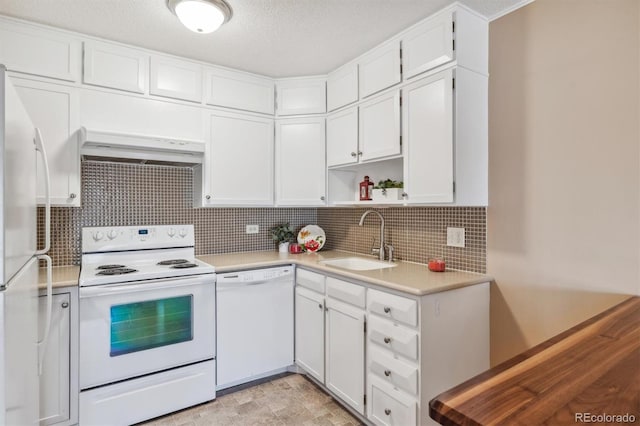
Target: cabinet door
<point x="380" y="69"/>
<point x="300" y="166"/>
<point x="428" y="132"/>
<point x="380" y="127"/>
<point x="310" y="332"/>
<point x="342" y="87"/>
<point x="55" y="377"/>
<point x="301" y="96"/>
<point x="34" y="50"/>
<point x="345" y="353"/>
<point x="116" y="67"/>
<point x="238" y="90"/>
<point x="54" y="110"/>
<point x="342" y="137"/>
<point x="175" y="79"/>
<point x="428" y="45"/>
<point x="240" y="160"/>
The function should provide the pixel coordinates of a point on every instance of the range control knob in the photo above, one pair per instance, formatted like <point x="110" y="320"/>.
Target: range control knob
<point x="183" y="233"/>
<point x="98" y="235"/>
<point x="171" y="232"/>
<point x="112" y="234"/>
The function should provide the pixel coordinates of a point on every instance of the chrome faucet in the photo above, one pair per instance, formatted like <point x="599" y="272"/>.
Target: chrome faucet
<point x="380" y="251"/>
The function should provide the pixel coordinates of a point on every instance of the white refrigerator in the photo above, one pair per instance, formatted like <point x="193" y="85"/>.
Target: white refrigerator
<point x="20" y="351"/>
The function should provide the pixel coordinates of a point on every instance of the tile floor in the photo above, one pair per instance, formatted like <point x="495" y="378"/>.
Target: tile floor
<point x="289" y="400"/>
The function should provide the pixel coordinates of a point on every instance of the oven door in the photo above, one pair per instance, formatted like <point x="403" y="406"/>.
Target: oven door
<point x="132" y="329"/>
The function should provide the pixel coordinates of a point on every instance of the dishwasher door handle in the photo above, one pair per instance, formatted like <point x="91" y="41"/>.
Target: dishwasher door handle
<point x="236" y="284"/>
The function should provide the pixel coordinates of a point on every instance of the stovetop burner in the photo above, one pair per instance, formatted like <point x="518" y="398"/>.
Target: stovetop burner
<point x="111" y="267"/>
<point x="184" y="265"/>
<point x="173" y="262"/>
<point x="117" y="271"/>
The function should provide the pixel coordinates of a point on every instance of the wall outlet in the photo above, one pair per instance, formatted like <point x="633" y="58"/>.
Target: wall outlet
<point x="252" y="229"/>
<point x="455" y="237"/>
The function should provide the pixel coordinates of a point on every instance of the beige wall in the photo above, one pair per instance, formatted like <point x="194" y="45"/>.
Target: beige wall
<point x="564" y="219"/>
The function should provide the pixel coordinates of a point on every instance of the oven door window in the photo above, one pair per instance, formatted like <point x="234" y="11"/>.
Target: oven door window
<point x="150" y="324"/>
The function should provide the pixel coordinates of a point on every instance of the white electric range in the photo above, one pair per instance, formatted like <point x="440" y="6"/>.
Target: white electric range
<point x="147" y="323"/>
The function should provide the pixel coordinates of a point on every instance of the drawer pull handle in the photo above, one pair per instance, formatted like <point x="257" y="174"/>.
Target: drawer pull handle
<point x="387" y="411"/>
<point x="387" y="309"/>
<point x="387" y="339"/>
<point x="387" y="373"/>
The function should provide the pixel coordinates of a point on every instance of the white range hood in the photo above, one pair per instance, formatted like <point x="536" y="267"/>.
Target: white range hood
<point x="132" y="148"/>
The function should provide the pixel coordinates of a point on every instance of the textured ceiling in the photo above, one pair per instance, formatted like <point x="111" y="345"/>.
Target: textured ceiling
<point x="278" y="38"/>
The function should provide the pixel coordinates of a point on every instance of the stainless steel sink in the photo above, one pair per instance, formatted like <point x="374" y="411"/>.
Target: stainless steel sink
<point x="358" y="263"/>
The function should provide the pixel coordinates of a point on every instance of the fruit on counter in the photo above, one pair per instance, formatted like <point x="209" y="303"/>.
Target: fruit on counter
<point x="437" y="264"/>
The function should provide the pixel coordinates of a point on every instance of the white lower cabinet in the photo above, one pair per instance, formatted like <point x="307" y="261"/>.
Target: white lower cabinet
<point x="58" y="382"/>
<point x="386" y="353"/>
<point x="345" y="353"/>
<point x="310" y="332"/>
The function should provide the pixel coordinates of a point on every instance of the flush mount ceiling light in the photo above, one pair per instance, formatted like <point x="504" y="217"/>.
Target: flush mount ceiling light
<point x="201" y="16"/>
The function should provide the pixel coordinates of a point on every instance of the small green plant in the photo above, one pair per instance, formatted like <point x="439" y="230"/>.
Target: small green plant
<point x="388" y="184"/>
<point x="282" y="233"/>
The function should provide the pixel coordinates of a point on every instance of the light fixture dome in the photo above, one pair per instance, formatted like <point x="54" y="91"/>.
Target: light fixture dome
<point x="201" y="16"/>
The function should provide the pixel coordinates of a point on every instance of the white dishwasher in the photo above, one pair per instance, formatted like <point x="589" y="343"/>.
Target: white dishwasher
<point x="254" y="324"/>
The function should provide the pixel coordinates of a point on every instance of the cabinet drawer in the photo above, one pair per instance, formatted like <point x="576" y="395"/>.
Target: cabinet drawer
<point x="399" y="339"/>
<point x="393" y="371"/>
<point x="310" y="280"/>
<point x="394" y="307"/>
<point x="389" y="407"/>
<point x="346" y="291"/>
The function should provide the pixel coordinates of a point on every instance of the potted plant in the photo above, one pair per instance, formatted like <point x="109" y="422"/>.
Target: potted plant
<point x="388" y="190"/>
<point x="282" y="234"/>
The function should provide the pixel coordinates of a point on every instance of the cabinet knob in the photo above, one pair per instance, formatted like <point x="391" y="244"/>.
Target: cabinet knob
<point x="208" y="197"/>
<point x="387" y="309"/>
<point x="72" y="195"/>
<point x="387" y="340"/>
<point x="387" y="373"/>
<point x="65" y="304"/>
<point x="405" y="195"/>
<point x="353" y="154"/>
<point x="359" y="152"/>
<point x="322" y="198"/>
<point x="320" y="305"/>
<point x="387" y="411"/>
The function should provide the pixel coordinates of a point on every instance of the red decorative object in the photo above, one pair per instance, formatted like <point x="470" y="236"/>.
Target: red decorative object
<point x="366" y="189"/>
<point x="295" y="248"/>
<point x="437" y="264"/>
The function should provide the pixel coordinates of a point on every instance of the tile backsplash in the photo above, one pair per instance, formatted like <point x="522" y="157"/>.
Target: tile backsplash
<point x="119" y="194"/>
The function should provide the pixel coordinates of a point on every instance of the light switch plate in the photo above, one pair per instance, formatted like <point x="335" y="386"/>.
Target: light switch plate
<point x="252" y="229"/>
<point x="455" y="237"/>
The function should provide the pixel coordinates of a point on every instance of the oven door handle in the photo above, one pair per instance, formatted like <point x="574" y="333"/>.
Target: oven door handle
<point x="135" y="287"/>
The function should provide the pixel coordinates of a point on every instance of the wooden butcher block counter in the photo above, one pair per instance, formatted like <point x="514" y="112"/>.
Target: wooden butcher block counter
<point x="588" y="374"/>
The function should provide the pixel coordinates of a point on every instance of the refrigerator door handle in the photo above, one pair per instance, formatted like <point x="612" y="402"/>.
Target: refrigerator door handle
<point x="42" y="344"/>
<point x="47" y="189"/>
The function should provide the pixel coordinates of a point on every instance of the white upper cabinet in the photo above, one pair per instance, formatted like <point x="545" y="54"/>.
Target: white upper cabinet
<point x="34" y="50"/>
<point x="342" y="137"/>
<point x="115" y="67"/>
<point x="428" y="129"/>
<point x="299" y="96"/>
<point x="300" y="167"/>
<point x="342" y="87"/>
<point x="54" y="110"/>
<point x="238" y="90"/>
<point x="240" y="160"/>
<point x="176" y="79"/>
<point x="380" y="127"/>
<point x="380" y="68"/>
<point x="428" y="45"/>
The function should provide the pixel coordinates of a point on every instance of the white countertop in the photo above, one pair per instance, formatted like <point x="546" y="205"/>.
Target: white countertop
<point x="407" y="277"/>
